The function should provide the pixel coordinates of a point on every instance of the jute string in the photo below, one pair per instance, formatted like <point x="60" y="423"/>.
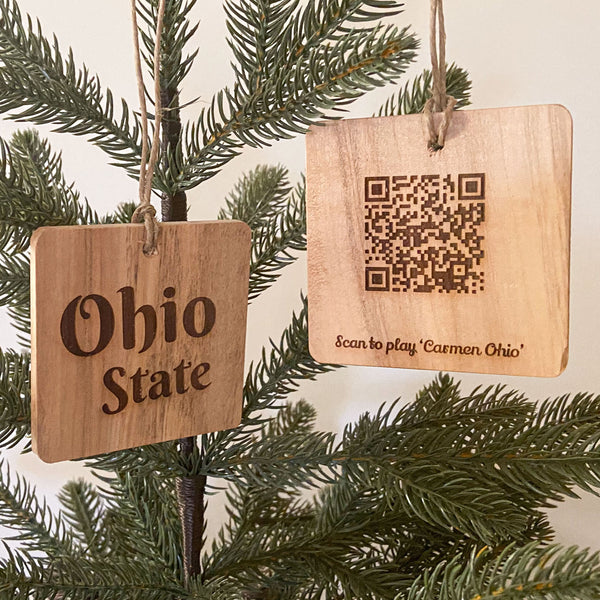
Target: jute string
<point x="439" y="101"/>
<point x="190" y="490"/>
<point x="145" y="212"/>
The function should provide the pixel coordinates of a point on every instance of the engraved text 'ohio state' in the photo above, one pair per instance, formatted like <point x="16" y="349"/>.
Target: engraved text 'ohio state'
<point x="197" y="320"/>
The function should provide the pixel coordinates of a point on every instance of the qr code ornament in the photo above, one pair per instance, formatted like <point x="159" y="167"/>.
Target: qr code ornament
<point x="423" y="233"/>
<point x="456" y="259"/>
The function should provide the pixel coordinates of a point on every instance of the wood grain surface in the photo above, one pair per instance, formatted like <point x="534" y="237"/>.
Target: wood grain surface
<point x="426" y="303"/>
<point x="130" y="350"/>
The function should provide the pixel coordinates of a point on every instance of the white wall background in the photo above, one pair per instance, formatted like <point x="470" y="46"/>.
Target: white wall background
<point x="518" y="53"/>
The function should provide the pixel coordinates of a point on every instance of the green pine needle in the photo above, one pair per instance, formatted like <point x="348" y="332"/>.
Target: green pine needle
<point x="23" y="577"/>
<point x="177" y="33"/>
<point x="15" y="398"/>
<point x="315" y="64"/>
<point x="83" y="510"/>
<point x="530" y="572"/>
<point x="36" y="527"/>
<point x="276" y="375"/>
<point x="34" y="193"/>
<point x="412" y="97"/>
<point x="40" y="85"/>
<point x="276" y="214"/>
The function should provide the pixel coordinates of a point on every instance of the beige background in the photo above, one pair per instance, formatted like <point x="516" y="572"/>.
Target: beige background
<point x="534" y="52"/>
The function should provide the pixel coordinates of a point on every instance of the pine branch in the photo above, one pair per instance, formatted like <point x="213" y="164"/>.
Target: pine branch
<point x="216" y="589"/>
<point x="278" y="373"/>
<point x="530" y="572"/>
<point x="539" y="453"/>
<point x="14" y="293"/>
<point x="263" y="34"/>
<point x="353" y="525"/>
<point x="286" y="456"/>
<point x="412" y="97"/>
<point x="477" y="449"/>
<point x="297" y="418"/>
<point x="444" y="498"/>
<point x="258" y="196"/>
<point x="272" y="553"/>
<point x="39" y="85"/>
<point x="15" y="398"/>
<point x="177" y="33"/>
<point x="14" y="280"/>
<point x="251" y="507"/>
<point x="374" y="522"/>
<point x="268" y="520"/>
<point x="122" y="214"/>
<point x="141" y="515"/>
<point x="274" y="242"/>
<point x="83" y="510"/>
<point x="33" y="191"/>
<point x="481" y="473"/>
<point x="22" y="577"/>
<point x="440" y="498"/>
<point x="293" y="554"/>
<point x="272" y="379"/>
<point x="274" y="462"/>
<point x="150" y="502"/>
<point x="250" y="503"/>
<point x="123" y="530"/>
<point x="325" y="74"/>
<point x="277" y="218"/>
<point x="374" y="455"/>
<point x="160" y="458"/>
<point x="37" y="528"/>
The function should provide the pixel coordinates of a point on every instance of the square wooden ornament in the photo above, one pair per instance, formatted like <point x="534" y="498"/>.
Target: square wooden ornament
<point x="452" y="260"/>
<point x="129" y="349"/>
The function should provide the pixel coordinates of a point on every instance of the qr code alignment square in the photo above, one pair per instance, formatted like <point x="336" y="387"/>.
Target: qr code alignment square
<point x="423" y="233"/>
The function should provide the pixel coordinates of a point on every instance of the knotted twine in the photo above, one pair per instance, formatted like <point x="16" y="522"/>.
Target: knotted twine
<point x="439" y="101"/>
<point x="145" y="212"/>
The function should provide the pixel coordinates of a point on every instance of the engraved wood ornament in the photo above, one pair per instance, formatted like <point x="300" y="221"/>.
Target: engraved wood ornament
<point x="129" y="349"/>
<point x="456" y="259"/>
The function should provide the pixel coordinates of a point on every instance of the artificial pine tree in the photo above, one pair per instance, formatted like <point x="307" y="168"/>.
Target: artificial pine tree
<point x="441" y="498"/>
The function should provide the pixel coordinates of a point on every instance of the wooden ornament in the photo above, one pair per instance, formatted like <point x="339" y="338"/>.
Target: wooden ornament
<point x="456" y="259"/>
<point x="130" y="350"/>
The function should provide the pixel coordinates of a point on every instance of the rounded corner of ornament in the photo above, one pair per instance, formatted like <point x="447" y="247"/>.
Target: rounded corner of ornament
<point x="560" y="367"/>
<point x="564" y="361"/>
<point x="562" y="110"/>
<point x="315" y="352"/>
<point x="42" y="453"/>
<point x="36" y="235"/>
<point x="244" y="228"/>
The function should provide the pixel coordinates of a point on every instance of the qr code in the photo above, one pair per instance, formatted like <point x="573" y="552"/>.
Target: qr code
<point x="423" y="233"/>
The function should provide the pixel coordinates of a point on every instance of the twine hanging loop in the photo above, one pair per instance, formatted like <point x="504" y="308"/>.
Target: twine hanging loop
<point x="145" y="212"/>
<point x="440" y="101"/>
